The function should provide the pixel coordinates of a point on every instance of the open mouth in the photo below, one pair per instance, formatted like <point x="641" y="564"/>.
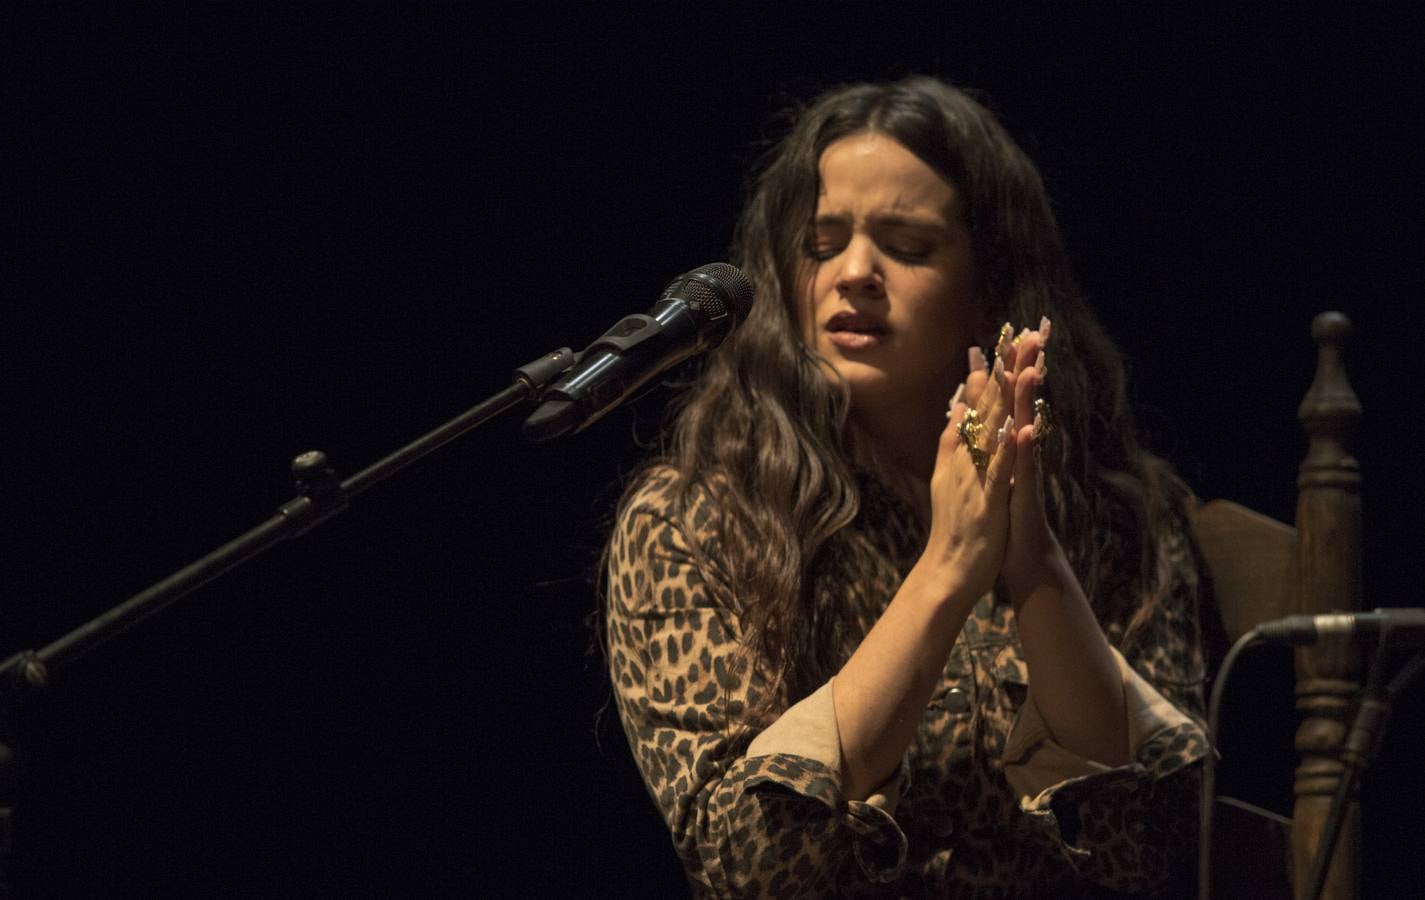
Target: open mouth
<point x="855" y="331"/>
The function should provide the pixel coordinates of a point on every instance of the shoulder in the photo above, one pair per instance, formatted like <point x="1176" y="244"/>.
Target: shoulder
<point x="666" y="537"/>
<point x="666" y="516"/>
<point x="661" y="501"/>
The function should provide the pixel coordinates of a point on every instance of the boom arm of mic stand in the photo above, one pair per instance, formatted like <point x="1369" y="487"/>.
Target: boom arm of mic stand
<point x="320" y="496"/>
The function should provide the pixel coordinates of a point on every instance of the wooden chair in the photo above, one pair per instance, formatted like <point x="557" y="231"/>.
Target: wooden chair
<point x="1262" y="569"/>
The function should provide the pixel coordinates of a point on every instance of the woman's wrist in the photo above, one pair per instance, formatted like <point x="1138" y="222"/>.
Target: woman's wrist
<point x="1046" y="574"/>
<point x="943" y="583"/>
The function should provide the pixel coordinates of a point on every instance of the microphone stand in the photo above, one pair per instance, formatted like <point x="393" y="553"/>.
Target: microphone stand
<point x="320" y="496"/>
<point x="1362" y="744"/>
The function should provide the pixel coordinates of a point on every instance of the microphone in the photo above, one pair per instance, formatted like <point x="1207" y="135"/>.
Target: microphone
<point x="1398" y="626"/>
<point x="697" y="311"/>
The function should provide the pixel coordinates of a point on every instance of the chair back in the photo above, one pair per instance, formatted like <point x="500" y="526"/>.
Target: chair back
<point x="1251" y="562"/>
<point x="1262" y="569"/>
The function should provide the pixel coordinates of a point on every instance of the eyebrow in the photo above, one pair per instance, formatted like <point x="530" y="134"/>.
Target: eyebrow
<point x="892" y="220"/>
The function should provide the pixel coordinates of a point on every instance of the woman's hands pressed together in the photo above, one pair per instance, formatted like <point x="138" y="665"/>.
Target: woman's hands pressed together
<point x="1033" y="556"/>
<point x="1072" y="673"/>
<point x="989" y="519"/>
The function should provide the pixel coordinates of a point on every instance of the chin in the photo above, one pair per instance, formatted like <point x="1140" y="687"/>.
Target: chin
<point x="854" y="372"/>
<point x="875" y="387"/>
<point x="872" y="388"/>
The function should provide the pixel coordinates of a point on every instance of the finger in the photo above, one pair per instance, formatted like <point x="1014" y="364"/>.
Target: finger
<point x="1002" y="466"/>
<point x="990" y="386"/>
<point x="998" y="399"/>
<point x="992" y="435"/>
<point x="958" y="397"/>
<point x="950" y="437"/>
<point x="1027" y="348"/>
<point x="954" y="418"/>
<point x="1024" y="387"/>
<point x="986" y="409"/>
<point x="1028" y="473"/>
<point x="976" y="377"/>
<point x="951" y="443"/>
<point x="1004" y="346"/>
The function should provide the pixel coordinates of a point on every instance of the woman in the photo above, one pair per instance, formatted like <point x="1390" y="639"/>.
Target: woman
<point x="859" y="651"/>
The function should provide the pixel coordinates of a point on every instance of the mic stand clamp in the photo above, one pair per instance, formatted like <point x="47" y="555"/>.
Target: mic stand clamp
<point x="319" y="493"/>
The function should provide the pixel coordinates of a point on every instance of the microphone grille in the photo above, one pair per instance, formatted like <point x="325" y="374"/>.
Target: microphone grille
<point x="715" y="290"/>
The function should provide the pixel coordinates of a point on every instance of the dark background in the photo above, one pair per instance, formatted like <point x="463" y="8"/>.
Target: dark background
<point x="241" y="231"/>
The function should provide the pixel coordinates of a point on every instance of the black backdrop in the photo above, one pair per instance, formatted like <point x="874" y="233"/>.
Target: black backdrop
<point x="241" y="231"/>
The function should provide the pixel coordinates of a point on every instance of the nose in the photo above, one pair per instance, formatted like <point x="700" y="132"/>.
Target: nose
<point x="860" y="273"/>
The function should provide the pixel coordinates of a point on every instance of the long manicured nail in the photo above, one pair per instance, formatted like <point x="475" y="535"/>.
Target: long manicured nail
<point x="955" y="400"/>
<point x="1007" y="429"/>
<point x="1044" y="328"/>
<point x="1041" y="365"/>
<point x="1006" y="331"/>
<point x="977" y="359"/>
<point x="999" y="371"/>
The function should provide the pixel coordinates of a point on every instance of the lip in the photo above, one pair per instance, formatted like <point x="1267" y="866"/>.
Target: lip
<point x="855" y="340"/>
<point x="855" y="331"/>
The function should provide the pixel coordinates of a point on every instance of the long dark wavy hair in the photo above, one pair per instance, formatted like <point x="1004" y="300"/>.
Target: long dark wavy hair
<point x="767" y="436"/>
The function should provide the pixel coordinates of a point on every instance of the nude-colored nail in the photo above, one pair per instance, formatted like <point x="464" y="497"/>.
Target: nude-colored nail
<point x="959" y="395"/>
<point x="1007" y="429"/>
<point x="1041" y="365"/>
<point x="1044" y="328"/>
<point x="999" y="370"/>
<point x="977" y="359"/>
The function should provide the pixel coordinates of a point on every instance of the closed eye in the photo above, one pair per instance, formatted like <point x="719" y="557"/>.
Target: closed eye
<point x="825" y="240"/>
<point x="915" y="253"/>
<point x="906" y="241"/>
<point x="909" y="243"/>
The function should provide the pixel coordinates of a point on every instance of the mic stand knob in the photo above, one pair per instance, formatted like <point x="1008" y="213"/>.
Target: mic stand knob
<point x="321" y="493"/>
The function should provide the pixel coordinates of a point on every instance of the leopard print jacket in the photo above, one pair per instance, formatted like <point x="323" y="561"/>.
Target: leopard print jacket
<point x="775" y="824"/>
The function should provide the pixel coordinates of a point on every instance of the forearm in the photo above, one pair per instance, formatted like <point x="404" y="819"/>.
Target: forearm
<point x="1072" y="673"/>
<point x="881" y="693"/>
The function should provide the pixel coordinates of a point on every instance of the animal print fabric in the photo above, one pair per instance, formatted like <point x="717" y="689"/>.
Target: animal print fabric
<point x="774" y="824"/>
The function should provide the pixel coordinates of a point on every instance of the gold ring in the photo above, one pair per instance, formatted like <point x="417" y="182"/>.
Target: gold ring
<point x="971" y="429"/>
<point x="1043" y="421"/>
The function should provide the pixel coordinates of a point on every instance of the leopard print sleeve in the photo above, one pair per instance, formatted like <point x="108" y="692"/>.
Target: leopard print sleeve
<point x="764" y="825"/>
<point x="1133" y="829"/>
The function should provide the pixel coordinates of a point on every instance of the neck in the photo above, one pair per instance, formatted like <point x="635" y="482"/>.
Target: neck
<point x="901" y="445"/>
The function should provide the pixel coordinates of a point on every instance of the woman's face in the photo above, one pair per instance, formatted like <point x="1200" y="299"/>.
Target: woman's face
<point x="888" y="300"/>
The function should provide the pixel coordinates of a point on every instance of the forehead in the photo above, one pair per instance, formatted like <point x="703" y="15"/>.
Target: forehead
<point x="869" y="173"/>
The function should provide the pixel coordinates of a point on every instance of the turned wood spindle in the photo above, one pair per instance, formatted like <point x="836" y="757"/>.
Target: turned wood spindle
<point x="1328" y="522"/>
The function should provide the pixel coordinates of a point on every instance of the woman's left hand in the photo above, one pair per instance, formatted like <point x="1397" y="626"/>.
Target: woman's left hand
<point x="1074" y="678"/>
<point x="1033" y="556"/>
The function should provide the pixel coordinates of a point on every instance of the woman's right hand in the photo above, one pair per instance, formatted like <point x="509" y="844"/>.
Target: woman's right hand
<point x="969" y="517"/>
